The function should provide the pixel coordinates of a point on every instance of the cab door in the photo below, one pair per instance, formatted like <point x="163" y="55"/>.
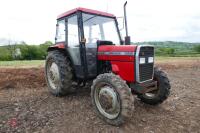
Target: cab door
<point x="73" y="44"/>
<point x="91" y="34"/>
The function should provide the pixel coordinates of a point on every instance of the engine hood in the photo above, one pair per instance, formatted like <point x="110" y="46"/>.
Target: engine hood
<point x="119" y="53"/>
<point x="120" y="48"/>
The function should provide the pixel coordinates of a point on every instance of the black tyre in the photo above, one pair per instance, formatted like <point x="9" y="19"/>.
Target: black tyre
<point x="58" y="73"/>
<point x="112" y="99"/>
<point x="161" y="94"/>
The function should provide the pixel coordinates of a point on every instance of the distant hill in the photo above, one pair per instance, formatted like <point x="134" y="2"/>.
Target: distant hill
<point x="169" y="44"/>
<point x="176" y="48"/>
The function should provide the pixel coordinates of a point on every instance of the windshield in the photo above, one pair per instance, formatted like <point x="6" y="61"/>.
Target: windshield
<point x="100" y="28"/>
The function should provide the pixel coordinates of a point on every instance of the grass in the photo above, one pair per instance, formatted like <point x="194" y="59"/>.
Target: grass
<point x="181" y="54"/>
<point x="22" y="64"/>
<point x="161" y="59"/>
<point x="180" y="58"/>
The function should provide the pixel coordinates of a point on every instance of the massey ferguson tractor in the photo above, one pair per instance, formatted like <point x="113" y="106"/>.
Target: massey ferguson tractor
<point x="89" y="48"/>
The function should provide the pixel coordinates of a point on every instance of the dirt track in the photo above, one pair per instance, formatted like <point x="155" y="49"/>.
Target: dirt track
<point x="27" y="106"/>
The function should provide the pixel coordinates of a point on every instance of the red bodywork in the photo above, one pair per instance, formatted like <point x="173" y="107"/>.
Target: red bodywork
<point x="86" y="11"/>
<point x="122" y="59"/>
<point x="58" y="45"/>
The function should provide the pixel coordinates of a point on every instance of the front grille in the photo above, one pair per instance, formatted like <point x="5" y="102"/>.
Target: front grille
<point x="146" y="70"/>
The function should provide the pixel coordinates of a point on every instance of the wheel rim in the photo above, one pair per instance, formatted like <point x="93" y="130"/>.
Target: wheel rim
<point x="150" y="95"/>
<point x="53" y="74"/>
<point x="107" y="101"/>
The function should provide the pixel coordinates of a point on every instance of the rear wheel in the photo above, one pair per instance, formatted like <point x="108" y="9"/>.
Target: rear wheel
<point x="112" y="99"/>
<point x="58" y="74"/>
<point x="161" y="94"/>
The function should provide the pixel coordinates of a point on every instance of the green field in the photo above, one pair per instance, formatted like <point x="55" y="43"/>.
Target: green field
<point x="163" y="59"/>
<point x="22" y="64"/>
<point x="40" y="63"/>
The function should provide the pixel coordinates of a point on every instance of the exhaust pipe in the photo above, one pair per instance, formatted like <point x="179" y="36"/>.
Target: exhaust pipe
<point x="127" y="38"/>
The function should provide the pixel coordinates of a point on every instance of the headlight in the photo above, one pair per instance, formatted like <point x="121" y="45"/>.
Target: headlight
<point x="142" y="60"/>
<point x="150" y="60"/>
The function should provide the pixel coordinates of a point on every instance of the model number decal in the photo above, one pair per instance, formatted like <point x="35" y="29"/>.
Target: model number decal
<point x="117" y="53"/>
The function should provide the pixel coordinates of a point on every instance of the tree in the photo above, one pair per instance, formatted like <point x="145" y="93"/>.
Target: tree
<point x="5" y="54"/>
<point x="197" y="48"/>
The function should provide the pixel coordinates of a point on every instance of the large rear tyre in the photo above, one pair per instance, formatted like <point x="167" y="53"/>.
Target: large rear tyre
<point x="112" y="99"/>
<point x="161" y="94"/>
<point x="58" y="73"/>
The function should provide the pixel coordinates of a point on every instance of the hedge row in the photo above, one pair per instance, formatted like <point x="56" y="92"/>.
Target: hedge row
<point x="24" y="52"/>
<point x="39" y="52"/>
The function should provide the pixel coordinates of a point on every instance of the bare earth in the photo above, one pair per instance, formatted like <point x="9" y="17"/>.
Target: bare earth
<point x="27" y="106"/>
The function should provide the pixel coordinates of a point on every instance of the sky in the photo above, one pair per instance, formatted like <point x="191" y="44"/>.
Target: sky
<point x="34" y="21"/>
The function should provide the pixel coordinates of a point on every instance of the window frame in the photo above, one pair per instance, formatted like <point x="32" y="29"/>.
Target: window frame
<point x="115" y="21"/>
<point x="82" y="34"/>
<point x="66" y="29"/>
<point x="57" y="31"/>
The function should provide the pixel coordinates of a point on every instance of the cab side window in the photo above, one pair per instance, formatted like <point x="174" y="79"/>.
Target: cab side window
<point x="73" y="39"/>
<point x="60" y="36"/>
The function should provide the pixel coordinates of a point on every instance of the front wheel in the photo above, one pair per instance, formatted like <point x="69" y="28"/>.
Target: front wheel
<point x="161" y="94"/>
<point x="112" y="99"/>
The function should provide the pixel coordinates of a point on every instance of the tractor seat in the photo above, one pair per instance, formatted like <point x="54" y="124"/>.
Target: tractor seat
<point x="103" y="42"/>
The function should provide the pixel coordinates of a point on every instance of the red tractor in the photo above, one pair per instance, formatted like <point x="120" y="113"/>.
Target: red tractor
<point x="89" y="47"/>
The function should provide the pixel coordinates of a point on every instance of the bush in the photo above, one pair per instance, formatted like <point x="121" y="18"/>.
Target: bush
<point x="165" y="51"/>
<point x="5" y="54"/>
<point x="197" y="48"/>
<point x="27" y="52"/>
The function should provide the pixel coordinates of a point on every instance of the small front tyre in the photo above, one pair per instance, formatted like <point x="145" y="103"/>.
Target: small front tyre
<point x="112" y="99"/>
<point x="161" y="94"/>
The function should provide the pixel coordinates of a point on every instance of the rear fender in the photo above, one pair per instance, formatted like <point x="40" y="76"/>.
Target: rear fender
<point x="59" y="46"/>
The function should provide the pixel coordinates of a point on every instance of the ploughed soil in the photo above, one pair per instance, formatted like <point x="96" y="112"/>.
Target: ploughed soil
<point x="27" y="106"/>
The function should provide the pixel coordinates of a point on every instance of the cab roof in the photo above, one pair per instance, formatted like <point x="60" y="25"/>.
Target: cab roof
<point x="65" y="14"/>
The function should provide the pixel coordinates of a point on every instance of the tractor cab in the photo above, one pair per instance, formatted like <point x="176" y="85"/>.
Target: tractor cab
<point x="81" y="31"/>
